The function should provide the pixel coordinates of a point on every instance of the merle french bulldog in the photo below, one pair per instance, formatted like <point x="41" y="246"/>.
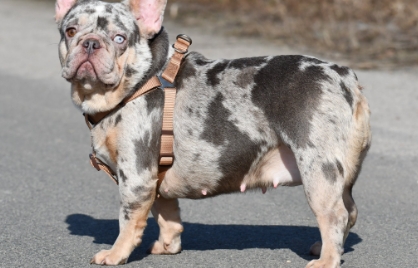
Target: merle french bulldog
<point x="238" y="124"/>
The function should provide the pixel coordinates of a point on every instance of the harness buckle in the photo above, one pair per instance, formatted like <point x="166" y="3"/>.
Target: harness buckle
<point x="165" y="83"/>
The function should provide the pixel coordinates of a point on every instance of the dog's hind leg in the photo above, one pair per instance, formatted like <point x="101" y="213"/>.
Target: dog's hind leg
<point x="329" y="188"/>
<point x="352" y="218"/>
<point x="167" y="214"/>
<point x="324" y="190"/>
<point x="351" y="208"/>
<point x="359" y="145"/>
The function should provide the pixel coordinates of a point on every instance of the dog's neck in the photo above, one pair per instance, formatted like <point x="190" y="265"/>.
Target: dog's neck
<point x="160" y="49"/>
<point x="105" y="99"/>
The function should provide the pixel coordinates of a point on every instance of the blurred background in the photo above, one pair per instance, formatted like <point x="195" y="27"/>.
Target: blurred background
<point x="366" y="33"/>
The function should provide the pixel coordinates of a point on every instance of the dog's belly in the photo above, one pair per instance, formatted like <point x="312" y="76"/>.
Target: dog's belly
<point x="277" y="167"/>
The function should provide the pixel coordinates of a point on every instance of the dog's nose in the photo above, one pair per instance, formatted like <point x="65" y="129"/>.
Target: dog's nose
<point x="91" y="45"/>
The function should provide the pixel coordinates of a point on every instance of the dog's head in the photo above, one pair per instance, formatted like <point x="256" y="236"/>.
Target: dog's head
<point x="105" y="48"/>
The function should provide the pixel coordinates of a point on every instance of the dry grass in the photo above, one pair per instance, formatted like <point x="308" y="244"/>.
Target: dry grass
<point x="367" y="33"/>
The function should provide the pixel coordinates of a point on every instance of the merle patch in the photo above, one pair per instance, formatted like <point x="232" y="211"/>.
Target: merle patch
<point x="288" y="96"/>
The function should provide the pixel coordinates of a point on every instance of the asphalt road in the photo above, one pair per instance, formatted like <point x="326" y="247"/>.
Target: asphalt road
<point x="56" y="211"/>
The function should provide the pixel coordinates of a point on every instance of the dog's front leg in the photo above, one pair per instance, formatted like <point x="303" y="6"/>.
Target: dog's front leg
<point x="136" y="202"/>
<point x="167" y="213"/>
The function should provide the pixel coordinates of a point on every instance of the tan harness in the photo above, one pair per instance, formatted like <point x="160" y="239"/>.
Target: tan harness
<point x="166" y="81"/>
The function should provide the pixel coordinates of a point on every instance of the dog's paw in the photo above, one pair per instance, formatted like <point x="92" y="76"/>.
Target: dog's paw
<point x="316" y="249"/>
<point x="161" y="248"/>
<point x="322" y="264"/>
<point x="107" y="257"/>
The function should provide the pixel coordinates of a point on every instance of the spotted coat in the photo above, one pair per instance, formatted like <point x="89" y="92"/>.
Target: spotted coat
<point x="239" y="124"/>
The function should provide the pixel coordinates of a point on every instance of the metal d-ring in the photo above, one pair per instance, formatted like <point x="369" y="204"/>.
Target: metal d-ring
<point x="179" y="50"/>
<point x="185" y="38"/>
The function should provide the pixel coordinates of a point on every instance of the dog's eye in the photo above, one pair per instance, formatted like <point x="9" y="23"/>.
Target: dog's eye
<point x="119" y="39"/>
<point x="71" y="32"/>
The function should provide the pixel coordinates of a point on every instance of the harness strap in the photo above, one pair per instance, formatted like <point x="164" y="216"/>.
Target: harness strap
<point x="99" y="165"/>
<point x="166" y="81"/>
<point x="180" y="49"/>
<point x="167" y="138"/>
<point x="151" y="84"/>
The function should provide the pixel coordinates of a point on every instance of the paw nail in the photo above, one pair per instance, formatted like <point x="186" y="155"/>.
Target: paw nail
<point x="204" y="192"/>
<point x="264" y="190"/>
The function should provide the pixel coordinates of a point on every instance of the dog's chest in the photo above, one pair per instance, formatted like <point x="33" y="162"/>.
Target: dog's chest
<point x="105" y="146"/>
<point x="105" y="140"/>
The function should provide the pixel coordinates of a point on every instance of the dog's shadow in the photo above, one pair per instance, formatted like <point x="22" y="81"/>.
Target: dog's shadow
<point x="197" y="236"/>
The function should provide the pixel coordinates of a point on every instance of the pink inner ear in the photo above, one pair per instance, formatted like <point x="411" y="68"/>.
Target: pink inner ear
<point x="149" y="14"/>
<point x="62" y="7"/>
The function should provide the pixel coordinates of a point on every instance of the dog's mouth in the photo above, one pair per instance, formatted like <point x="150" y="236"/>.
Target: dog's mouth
<point x="86" y="71"/>
<point x="89" y="75"/>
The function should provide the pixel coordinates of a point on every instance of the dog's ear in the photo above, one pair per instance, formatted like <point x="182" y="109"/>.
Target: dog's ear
<point x="149" y="15"/>
<point x="62" y="7"/>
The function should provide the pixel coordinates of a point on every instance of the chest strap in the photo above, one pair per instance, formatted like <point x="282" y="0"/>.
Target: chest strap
<point x="165" y="81"/>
